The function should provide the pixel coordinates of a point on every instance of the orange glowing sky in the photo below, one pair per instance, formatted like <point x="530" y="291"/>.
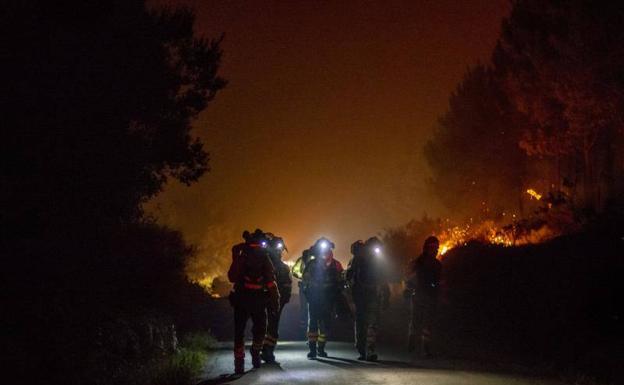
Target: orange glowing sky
<point x="320" y="129"/>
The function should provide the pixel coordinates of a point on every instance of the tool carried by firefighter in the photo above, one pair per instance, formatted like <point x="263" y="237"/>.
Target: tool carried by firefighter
<point x="255" y="289"/>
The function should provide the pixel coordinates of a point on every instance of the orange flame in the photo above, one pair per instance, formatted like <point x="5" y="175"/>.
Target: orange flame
<point x="534" y="194"/>
<point x="489" y="232"/>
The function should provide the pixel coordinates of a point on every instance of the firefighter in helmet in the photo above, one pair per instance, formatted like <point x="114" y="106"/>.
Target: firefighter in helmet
<point x="284" y="286"/>
<point x="366" y="275"/>
<point x="423" y="287"/>
<point x="322" y="283"/>
<point x="253" y="276"/>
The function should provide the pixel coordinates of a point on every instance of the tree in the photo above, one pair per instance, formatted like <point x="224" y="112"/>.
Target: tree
<point x="562" y="64"/>
<point x="102" y="98"/>
<point x="474" y="153"/>
<point x="104" y="94"/>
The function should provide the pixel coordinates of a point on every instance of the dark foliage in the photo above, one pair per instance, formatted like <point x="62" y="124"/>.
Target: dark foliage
<point x="101" y="100"/>
<point x="555" y="304"/>
<point x="97" y="108"/>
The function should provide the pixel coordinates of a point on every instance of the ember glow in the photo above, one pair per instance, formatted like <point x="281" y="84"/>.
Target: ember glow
<point x="534" y="194"/>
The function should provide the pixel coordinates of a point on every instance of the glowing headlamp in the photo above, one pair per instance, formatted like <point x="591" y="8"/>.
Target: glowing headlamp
<point x="280" y="245"/>
<point x="324" y="245"/>
<point x="263" y="244"/>
<point x="377" y="250"/>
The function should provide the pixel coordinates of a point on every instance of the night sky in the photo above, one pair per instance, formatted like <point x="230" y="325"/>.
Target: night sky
<point x="320" y="129"/>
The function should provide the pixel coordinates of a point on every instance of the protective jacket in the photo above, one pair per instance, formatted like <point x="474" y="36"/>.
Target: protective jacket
<point x="423" y="276"/>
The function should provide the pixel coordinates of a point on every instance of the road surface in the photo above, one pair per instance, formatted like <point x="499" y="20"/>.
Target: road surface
<point x="342" y="367"/>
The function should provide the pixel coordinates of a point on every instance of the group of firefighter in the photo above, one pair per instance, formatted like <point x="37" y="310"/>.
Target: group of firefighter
<point x="263" y="286"/>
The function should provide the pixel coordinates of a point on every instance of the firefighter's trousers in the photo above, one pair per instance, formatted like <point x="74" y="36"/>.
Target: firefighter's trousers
<point x="319" y="320"/>
<point x="367" y="314"/>
<point x="249" y="304"/>
<point x="423" y="316"/>
<point x="272" y="333"/>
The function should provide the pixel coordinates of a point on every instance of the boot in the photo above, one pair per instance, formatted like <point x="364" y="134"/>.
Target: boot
<point x="267" y="354"/>
<point x="255" y="358"/>
<point x="372" y="357"/>
<point x="321" y="350"/>
<point x="312" y="346"/>
<point x="362" y="356"/>
<point x="239" y="365"/>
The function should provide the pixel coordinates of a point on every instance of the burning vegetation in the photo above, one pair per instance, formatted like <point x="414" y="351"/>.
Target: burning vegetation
<point x="515" y="233"/>
<point x="552" y="215"/>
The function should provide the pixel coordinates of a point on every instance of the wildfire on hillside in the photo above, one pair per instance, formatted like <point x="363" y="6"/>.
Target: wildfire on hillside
<point x="516" y="233"/>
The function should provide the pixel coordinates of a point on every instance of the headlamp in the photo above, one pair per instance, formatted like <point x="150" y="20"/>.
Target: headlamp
<point x="377" y="250"/>
<point x="263" y="244"/>
<point x="323" y="245"/>
<point x="280" y="245"/>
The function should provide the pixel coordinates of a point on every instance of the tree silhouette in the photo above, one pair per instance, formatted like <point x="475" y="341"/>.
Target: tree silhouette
<point x="474" y="151"/>
<point x="562" y="62"/>
<point x="104" y="95"/>
<point x="98" y="104"/>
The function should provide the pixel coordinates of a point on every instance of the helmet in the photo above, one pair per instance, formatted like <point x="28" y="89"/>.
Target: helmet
<point x="373" y="241"/>
<point x="324" y="244"/>
<point x="277" y="243"/>
<point x="374" y="245"/>
<point x="357" y="246"/>
<point x="258" y="237"/>
<point x="431" y="239"/>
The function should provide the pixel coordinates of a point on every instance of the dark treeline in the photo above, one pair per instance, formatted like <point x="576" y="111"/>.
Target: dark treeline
<point x="546" y="113"/>
<point x="97" y="108"/>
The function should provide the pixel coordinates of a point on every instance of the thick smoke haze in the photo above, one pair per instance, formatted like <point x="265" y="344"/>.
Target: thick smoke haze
<point x="321" y="127"/>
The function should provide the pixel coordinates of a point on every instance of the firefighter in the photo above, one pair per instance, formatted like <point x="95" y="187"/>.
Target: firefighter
<point x="423" y="286"/>
<point x="284" y="286"/>
<point x="253" y="276"/>
<point x="322" y="282"/>
<point x="368" y="281"/>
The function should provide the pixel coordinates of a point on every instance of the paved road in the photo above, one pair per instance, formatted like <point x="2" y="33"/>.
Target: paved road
<point x="343" y="368"/>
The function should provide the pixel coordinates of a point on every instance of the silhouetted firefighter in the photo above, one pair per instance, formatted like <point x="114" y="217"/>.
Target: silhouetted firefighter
<point x="322" y="283"/>
<point x="284" y="285"/>
<point x="255" y="289"/>
<point x="367" y="278"/>
<point x="423" y="285"/>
